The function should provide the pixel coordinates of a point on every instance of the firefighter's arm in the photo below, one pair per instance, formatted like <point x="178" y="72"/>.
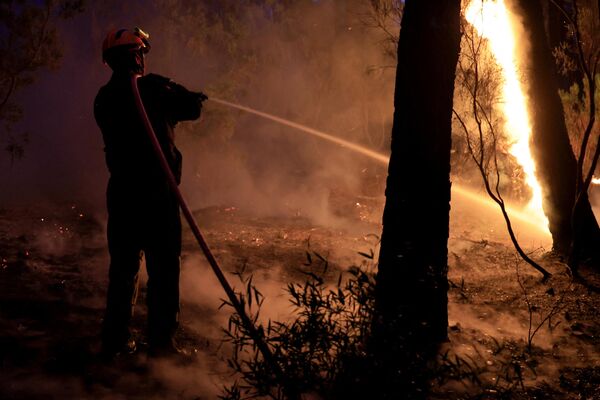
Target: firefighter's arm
<point x="181" y="104"/>
<point x="186" y="105"/>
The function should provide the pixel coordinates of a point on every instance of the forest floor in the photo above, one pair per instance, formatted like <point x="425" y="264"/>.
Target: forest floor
<point x="53" y="278"/>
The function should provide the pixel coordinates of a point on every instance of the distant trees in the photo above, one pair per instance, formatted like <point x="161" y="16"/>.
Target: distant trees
<point x="385" y="16"/>
<point x="411" y="292"/>
<point x="28" y="43"/>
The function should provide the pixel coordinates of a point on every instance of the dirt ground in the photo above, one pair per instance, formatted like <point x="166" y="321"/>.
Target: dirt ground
<point x="53" y="278"/>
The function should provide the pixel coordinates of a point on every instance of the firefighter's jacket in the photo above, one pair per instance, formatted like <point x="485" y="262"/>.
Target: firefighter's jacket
<point x="129" y="153"/>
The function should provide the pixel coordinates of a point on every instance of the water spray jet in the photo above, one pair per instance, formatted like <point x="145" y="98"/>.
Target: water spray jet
<point x="382" y="159"/>
<point x="322" y="135"/>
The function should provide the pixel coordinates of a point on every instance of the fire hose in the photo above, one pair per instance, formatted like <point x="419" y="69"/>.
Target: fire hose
<point x="256" y="335"/>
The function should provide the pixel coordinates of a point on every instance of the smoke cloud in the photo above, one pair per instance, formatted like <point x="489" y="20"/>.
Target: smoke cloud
<point x="308" y="63"/>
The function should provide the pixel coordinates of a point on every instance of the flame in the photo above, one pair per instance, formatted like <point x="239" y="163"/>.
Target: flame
<point x="595" y="181"/>
<point x="493" y="22"/>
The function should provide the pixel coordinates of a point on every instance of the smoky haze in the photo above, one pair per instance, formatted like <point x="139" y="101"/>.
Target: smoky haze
<point x="308" y="63"/>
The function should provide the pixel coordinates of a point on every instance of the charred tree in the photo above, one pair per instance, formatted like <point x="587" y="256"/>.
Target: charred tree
<point x="551" y="148"/>
<point x="411" y="290"/>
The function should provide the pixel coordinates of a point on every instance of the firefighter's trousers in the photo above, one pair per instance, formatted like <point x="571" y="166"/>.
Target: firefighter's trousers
<point x="143" y="218"/>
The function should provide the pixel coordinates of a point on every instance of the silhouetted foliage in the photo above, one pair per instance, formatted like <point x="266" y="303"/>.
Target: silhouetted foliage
<point x="320" y="350"/>
<point x="385" y="16"/>
<point x="29" y="42"/>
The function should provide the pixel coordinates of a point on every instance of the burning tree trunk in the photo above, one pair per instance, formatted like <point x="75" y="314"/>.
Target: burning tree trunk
<point x="556" y="164"/>
<point x="411" y="291"/>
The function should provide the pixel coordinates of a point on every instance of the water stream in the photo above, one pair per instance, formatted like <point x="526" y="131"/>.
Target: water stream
<point x="381" y="158"/>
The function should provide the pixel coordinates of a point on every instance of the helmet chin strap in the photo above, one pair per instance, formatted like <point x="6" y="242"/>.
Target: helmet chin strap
<point x="140" y="62"/>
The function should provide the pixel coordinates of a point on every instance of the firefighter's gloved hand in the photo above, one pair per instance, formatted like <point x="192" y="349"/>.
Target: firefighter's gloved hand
<point x="201" y="96"/>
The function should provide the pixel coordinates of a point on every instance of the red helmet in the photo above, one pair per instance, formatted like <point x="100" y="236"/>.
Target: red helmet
<point x="125" y="39"/>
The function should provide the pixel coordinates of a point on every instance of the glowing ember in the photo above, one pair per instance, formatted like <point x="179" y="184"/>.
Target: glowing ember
<point x="494" y="23"/>
<point x="596" y="181"/>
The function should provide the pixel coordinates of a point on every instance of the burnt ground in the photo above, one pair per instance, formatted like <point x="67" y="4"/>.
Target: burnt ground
<point x="53" y="277"/>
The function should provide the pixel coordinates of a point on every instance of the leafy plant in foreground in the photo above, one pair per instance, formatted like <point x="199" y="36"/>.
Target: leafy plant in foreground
<point x="323" y="350"/>
<point x="316" y="348"/>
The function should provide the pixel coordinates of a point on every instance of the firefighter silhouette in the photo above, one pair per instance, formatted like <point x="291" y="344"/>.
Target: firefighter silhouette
<point x="143" y="213"/>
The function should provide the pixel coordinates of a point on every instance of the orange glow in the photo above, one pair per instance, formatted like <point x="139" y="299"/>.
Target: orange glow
<point x="493" y="22"/>
<point x="457" y="190"/>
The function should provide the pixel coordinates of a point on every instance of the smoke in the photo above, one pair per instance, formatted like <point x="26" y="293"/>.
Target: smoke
<point x="274" y="170"/>
<point x="306" y="62"/>
<point x="488" y="312"/>
<point x="200" y="287"/>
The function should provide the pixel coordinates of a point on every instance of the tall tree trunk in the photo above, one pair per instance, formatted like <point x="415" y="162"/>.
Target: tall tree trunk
<point x="556" y="164"/>
<point x="411" y="291"/>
